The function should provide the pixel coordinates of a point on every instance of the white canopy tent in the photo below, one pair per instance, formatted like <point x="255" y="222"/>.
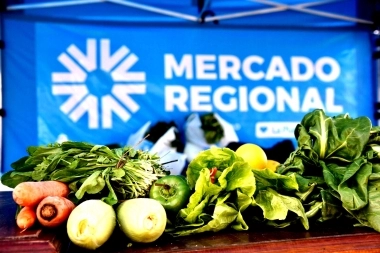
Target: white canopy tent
<point x="268" y="7"/>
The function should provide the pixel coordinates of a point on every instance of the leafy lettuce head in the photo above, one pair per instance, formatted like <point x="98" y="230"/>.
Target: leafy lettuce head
<point x="221" y="158"/>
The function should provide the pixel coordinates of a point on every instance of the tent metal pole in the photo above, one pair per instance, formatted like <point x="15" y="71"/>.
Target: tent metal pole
<point x="265" y="11"/>
<point x="1" y="93"/>
<point x="50" y="4"/>
<point x="377" y="75"/>
<point x="277" y="8"/>
<point x="126" y="3"/>
<point x="155" y="9"/>
<point x="243" y="14"/>
<point x="315" y="12"/>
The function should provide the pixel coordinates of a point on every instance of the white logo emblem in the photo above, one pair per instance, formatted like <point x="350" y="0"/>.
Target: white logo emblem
<point x="76" y="83"/>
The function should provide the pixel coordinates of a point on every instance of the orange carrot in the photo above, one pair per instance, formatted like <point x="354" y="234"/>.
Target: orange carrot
<point x="26" y="218"/>
<point x="53" y="211"/>
<point x="31" y="193"/>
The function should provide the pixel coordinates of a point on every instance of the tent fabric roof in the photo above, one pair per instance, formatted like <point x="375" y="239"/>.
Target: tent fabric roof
<point x="317" y="13"/>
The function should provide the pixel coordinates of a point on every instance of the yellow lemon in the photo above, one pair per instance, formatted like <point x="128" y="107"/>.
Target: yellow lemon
<point x="272" y="165"/>
<point x="253" y="154"/>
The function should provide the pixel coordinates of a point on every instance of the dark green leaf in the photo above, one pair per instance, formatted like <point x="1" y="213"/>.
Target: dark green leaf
<point x="275" y="206"/>
<point x="333" y="174"/>
<point x="66" y="145"/>
<point x="339" y="137"/>
<point x="12" y="179"/>
<point x="41" y="153"/>
<point x="269" y="179"/>
<point x="373" y="209"/>
<point x="20" y="165"/>
<point x="331" y="206"/>
<point x="353" y="188"/>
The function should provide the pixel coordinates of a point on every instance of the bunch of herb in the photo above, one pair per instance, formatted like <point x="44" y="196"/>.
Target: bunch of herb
<point x="111" y="174"/>
<point x="337" y="166"/>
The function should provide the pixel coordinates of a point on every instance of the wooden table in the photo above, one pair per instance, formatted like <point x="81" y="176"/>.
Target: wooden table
<point x="321" y="239"/>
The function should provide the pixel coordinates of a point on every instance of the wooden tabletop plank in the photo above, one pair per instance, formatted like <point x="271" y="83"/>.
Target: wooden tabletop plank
<point x="36" y="239"/>
<point x="328" y="239"/>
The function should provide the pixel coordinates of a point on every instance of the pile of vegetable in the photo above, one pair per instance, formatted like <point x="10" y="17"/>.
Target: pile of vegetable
<point x="110" y="174"/>
<point x="239" y="196"/>
<point x="337" y="167"/>
<point x="334" y="174"/>
<point x="45" y="202"/>
<point x="88" y="187"/>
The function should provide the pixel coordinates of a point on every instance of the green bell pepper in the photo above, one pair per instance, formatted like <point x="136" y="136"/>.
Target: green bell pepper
<point x="172" y="192"/>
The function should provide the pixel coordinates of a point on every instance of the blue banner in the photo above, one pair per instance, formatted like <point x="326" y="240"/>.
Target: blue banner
<point x="102" y="83"/>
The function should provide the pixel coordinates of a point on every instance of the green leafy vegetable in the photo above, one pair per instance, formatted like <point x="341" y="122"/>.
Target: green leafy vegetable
<point x="214" y="207"/>
<point x="337" y="165"/>
<point x="221" y="158"/>
<point x="112" y="174"/>
<point x="276" y="206"/>
<point x="237" y="191"/>
<point x="334" y="137"/>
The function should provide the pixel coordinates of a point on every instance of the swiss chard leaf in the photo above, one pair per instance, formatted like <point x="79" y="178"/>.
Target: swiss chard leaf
<point x="339" y="137"/>
<point x="344" y="152"/>
<point x="333" y="174"/>
<point x="372" y="210"/>
<point x="268" y="179"/>
<point x="276" y="206"/>
<point x="370" y="215"/>
<point x="353" y="189"/>
<point x="352" y="136"/>
<point x="331" y="206"/>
